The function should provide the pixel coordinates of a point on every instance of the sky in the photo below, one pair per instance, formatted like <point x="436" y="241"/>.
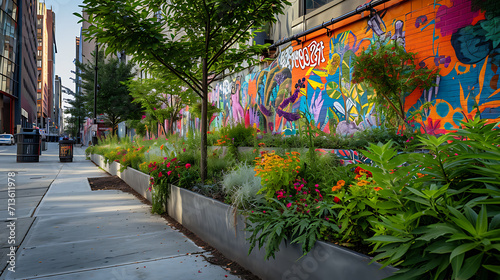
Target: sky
<point x="67" y="29"/>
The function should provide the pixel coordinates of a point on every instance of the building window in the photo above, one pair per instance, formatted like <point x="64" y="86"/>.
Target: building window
<point x="311" y="5"/>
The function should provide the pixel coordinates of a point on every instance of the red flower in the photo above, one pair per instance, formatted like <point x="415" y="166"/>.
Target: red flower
<point x="188" y="165"/>
<point x="160" y="174"/>
<point x="169" y="172"/>
<point x="357" y="170"/>
<point x="336" y="200"/>
<point x="174" y="159"/>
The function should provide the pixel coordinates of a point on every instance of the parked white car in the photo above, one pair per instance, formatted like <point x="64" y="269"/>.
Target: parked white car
<point x="7" y="139"/>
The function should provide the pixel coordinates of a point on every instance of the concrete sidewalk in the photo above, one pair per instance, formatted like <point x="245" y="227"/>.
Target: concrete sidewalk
<point x="67" y="231"/>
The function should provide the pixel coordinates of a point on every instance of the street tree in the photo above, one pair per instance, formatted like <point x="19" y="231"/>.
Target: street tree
<point x="75" y="112"/>
<point x="195" y="40"/>
<point x="162" y="97"/>
<point x="113" y="97"/>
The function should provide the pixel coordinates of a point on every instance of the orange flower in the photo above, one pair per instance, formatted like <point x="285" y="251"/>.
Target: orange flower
<point x="377" y="189"/>
<point x="341" y="183"/>
<point x="363" y="183"/>
<point x="336" y="188"/>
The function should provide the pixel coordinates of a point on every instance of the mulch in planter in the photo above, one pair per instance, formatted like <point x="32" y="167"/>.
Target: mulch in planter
<point x="115" y="183"/>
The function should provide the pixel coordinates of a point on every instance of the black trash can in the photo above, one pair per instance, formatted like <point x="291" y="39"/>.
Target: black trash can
<point x="28" y="145"/>
<point x="66" y="150"/>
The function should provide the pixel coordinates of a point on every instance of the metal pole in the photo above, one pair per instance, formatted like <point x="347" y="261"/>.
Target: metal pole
<point x="94" y="137"/>
<point x="358" y="10"/>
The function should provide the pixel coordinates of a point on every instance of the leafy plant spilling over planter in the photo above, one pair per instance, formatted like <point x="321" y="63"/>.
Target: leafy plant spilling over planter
<point x="434" y="215"/>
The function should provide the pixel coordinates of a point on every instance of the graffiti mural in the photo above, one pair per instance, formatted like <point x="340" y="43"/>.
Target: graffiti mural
<point x="312" y="80"/>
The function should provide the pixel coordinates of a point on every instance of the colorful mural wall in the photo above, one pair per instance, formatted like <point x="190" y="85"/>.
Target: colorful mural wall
<point x="312" y="79"/>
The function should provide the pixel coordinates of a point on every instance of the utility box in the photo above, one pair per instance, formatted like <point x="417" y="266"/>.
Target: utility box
<point x="28" y="145"/>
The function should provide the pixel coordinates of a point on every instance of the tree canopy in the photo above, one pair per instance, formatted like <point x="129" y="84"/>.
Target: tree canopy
<point x="162" y="97"/>
<point x="196" y="40"/>
<point x="75" y="112"/>
<point x="113" y="97"/>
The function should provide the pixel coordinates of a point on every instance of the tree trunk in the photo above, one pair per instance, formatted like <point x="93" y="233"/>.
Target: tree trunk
<point x="203" y="121"/>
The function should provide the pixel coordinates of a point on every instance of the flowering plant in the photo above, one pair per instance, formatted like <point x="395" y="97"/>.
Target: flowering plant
<point x="276" y="172"/>
<point x="301" y="215"/>
<point x="392" y="72"/>
<point x="163" y="174"/>
<point x="357" y="205"/>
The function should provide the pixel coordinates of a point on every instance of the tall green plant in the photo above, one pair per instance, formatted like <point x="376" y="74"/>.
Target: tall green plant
<point x="449" y="226"/>
<point x="392" y="72"/>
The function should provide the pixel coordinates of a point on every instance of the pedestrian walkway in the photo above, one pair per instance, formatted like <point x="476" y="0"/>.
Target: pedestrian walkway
<point x="70" y="232"/>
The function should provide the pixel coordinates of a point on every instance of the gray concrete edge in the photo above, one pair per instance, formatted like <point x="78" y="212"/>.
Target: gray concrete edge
<point x="220" y="226"/>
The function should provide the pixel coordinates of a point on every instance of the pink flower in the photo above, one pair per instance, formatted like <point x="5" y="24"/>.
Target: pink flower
<point x="326" y="218"/>
<point x="184" y="150"/>
<point x="316" y="185"/>
<point x="188" y="165"/>
<point x="143" y="116"/>
<point x="168" y="164"/>
<point x="169" y="172"/>
<point x="289" y="205"/>
<point x="160" y="174"/>
<point x="264" y="212"/>
<point x="149" y="189"/>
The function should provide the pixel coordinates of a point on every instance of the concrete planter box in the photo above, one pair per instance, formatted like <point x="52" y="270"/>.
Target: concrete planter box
<point x="112" y="168"/>
<point x="134" y="178"/>
<point x="216" y="224"/>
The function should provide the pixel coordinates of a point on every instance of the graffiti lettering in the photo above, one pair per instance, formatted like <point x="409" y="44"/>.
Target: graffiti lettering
<point x="310" y="56"/>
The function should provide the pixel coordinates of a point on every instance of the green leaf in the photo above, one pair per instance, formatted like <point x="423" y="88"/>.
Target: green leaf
<point x="437" y="230"/>
<point x="461" y="221"/>
<point x="471" y="266"/>
<point x="494" y="268"/>
<point x="482" y="221"/>
<point x="387" y="238"/>
<point x="456" y="264"/>
<point x="462" y="249"/>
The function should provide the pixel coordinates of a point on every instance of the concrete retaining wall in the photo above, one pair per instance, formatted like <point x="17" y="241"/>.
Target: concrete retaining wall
<point x="134" y="178"/>
<point x="216" y="224"/>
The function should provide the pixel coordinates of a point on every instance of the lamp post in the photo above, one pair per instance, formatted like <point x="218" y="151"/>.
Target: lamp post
<point x="94" y="136"/>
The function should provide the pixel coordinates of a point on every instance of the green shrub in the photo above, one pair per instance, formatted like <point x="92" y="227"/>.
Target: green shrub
<point x="241" y="186"/>
<point x="449" y="223"/>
